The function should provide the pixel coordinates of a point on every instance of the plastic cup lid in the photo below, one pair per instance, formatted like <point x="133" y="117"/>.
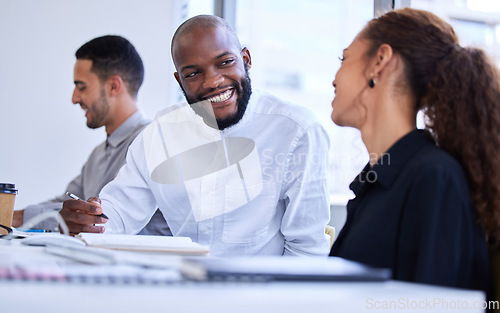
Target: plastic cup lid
<point x="8" y="188"/>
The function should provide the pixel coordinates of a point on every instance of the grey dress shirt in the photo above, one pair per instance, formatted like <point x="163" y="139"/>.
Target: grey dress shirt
<point x="100" y="168"/>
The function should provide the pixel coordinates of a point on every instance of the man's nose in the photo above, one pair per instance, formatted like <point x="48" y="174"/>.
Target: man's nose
<point x="75" y="98"/>
<point x="213" y="79"/>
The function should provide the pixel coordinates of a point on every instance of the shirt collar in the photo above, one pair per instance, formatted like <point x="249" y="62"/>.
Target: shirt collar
<point x="123" y="131"/>
<point x="391" y="163"/>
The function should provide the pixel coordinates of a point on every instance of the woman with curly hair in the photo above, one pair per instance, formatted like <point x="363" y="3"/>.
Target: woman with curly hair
<point x="428" y="201"/>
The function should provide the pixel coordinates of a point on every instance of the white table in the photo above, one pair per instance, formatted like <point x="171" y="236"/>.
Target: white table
<point x="239" y="297"/>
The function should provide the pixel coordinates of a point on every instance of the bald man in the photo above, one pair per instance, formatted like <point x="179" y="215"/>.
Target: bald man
<point x="241" y="172"/>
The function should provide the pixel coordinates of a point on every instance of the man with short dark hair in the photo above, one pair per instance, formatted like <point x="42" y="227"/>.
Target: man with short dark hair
<point x="244" y="173"/>
<point x="108" y="74"/>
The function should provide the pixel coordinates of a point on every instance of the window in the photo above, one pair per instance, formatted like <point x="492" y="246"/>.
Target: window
<point x="476" y="22"/>
<point x="295" y="47"/>
<point x="196" y="7"/>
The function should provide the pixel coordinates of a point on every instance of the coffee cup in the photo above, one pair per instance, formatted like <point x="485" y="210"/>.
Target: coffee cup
<point x="7" y="197"/>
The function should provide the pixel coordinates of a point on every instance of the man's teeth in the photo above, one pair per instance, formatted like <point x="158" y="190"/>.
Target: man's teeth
<point x="221" y="97"/>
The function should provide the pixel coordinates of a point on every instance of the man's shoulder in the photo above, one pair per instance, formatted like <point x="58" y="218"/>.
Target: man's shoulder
<point x="98" y="149"/>
<point x="268" y="104"/>
<point x="140" y="127"/>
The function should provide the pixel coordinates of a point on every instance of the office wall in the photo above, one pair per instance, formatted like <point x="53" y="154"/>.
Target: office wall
<point x="43" y="137"/>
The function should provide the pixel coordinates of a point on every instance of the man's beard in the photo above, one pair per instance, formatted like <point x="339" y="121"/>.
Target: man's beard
<point x="99" y="109"/>
<point x="244" y="96"/>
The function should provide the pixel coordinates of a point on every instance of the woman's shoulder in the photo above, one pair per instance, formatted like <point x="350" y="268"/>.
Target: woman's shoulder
<point x="434" y="165"/>
<point x="431" y="157"/>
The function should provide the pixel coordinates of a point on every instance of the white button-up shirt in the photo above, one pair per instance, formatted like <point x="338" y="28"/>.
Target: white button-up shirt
<point x="257" y="188"/>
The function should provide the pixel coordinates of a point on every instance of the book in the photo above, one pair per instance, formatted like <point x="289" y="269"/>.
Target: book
<point x="137" y="243"/>
<point x="143" y="243"/>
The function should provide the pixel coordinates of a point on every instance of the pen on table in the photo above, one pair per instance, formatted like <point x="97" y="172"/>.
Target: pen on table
<point x="34" y="230"/>
<point x="73" y="196"/>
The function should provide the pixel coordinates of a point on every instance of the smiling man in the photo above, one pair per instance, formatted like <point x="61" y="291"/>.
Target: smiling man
<point x="247" y="178"/>
<point x="108" y="73"/>
<point x="221" y="78"/>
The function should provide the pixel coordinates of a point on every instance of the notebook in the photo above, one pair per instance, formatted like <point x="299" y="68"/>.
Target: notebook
<point x="143" y="243"/>
<point x="83" y="264"/>
<point x="138" y="243"/>
<point x="289" y="269"/>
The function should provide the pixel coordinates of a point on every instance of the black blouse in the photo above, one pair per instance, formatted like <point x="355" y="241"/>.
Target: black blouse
<point x="413" y="214"/>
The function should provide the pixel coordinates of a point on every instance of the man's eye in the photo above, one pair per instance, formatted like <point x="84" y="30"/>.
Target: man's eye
<point x="341" y="59"/>
<point x="189" y="75"/>
<point x="227" y="62"/>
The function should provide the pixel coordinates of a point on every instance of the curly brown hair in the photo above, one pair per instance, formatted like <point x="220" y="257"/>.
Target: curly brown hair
<point x="458" y="89"/>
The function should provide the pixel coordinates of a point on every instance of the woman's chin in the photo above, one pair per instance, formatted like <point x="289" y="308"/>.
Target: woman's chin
<point x="336" y="119"/>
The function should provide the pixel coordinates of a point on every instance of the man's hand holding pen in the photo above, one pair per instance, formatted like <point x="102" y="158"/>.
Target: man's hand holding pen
<point x="81" y="216"/>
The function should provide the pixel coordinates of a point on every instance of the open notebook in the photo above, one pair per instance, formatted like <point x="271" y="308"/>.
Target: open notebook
<point x="138" y="243"/>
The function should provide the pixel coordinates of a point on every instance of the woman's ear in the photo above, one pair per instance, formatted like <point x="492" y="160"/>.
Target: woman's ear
<point x="383" y="56"/>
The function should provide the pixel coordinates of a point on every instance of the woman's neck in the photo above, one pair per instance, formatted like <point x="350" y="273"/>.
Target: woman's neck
<point x="385" y="129"/>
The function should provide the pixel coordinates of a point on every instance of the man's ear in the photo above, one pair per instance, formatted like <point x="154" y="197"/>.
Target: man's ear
<point x="115" y="85"/>
<point x="177" y="78"/>
<point x="247" y="59"/>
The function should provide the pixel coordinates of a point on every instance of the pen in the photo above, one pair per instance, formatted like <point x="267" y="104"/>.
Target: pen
<point x="73" y="196"/>
<point x="33" y="230"/>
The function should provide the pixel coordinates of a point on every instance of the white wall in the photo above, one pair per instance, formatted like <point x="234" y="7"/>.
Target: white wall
<point x="43" y="137"/>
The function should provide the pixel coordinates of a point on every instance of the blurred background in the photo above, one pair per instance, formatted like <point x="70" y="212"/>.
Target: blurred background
<point x="295" y="47"/>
